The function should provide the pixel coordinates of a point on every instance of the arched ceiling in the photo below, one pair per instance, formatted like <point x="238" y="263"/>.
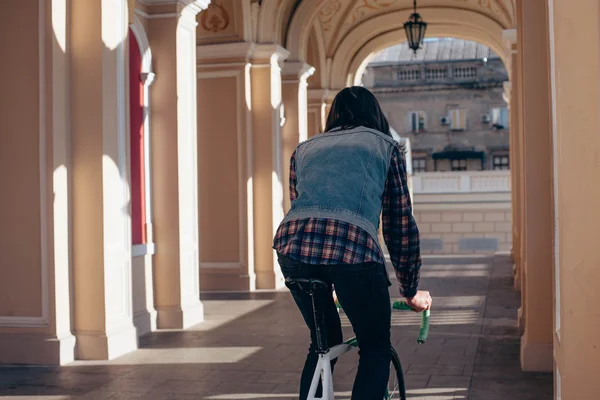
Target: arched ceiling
<point x="339" y="17"/>
<point x="335" y="21"/>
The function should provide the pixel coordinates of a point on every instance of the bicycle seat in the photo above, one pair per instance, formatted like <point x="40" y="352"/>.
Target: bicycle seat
<point x="307" y="285"/>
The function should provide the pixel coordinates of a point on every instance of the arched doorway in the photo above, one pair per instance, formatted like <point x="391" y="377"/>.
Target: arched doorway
<point x="140" y="79"/>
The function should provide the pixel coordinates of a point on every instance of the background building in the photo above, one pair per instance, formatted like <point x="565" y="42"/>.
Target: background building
<point x="448" y="99"/>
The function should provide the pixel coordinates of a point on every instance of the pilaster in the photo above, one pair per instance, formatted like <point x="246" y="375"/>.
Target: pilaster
<point x="172" y="35"/>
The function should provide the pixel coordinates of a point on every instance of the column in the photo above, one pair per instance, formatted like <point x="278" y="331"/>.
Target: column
<point x="575" y="36"/>
<point x="172" y="35"/>
<point x="265" y="77"/>
<point x="536" y="342"/>
<point x="295" y="125"/>
<point x="225" y="167"/>
<point x="35" y="312"/>
<point x="103" y="318"/>
<point x="319" y="104"/>
<point x="315" y="112"/>
<point x="328" y="97"/>
<point x="511" y="95"/>
<point x="520" y="138"/>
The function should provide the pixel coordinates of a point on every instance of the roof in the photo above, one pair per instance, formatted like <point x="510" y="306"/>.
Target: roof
<point x="445" y="49"/>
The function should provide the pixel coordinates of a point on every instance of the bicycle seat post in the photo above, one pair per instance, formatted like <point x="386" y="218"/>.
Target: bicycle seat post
<point x="320" y="327"/>
<point x="316" y="289"/>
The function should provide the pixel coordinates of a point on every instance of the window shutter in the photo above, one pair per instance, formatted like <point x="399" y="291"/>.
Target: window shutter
<point x="414" y="123"/>
<point x="504" y="119"/>
<point x="458" y="119"/>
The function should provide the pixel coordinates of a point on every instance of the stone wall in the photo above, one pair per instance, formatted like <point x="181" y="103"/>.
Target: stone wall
<point x="464" y="231"/>
<point x="463" y="212"/>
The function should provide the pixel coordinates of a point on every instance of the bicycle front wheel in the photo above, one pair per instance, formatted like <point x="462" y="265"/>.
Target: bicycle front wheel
<point x="396" y="389"/>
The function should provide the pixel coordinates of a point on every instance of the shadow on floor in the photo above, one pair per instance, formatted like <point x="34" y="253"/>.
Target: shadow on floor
<point x="252" y="346"/>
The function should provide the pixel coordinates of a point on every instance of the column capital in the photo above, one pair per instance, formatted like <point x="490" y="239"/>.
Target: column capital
<point x="270" y="52"/>
<point x="507" y="92"/>
<point x="173" y="8"/>
<point x="509" y="36"/>
<point x="241" y="51"/>
<point x="224" y="52"/>
<point x="322" y="95"/>
<point x="296" y="71"/>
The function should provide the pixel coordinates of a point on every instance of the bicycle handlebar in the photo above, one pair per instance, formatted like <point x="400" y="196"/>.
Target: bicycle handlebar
<point x="424" y="331"/>
<point x="401" y="305"/>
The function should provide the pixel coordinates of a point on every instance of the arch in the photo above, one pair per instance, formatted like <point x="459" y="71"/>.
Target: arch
<point x="363" y="56"/>
<point x="140" y="122"/>
<point x="322" y="62"/>
<point x="386" y="30"/>
<point x="297" y="37"/>
<point x="307" y="11"/>
<point x="144" y="44"/>
<point x="272" y="20"/>
<point x="267" y="22"/>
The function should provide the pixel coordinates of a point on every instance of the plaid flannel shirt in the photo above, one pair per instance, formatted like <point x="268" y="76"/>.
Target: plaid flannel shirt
<point x="330" y="242"/>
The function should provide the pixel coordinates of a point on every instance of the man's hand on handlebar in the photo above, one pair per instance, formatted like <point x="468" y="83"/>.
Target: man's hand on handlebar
<point x="420" y="302"/>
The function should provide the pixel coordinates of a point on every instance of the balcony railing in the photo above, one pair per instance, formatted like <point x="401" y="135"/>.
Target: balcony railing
<point x="461" y="182"/>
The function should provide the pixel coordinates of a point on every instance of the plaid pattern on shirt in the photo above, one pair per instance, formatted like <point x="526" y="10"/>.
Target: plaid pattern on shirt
<point x="330" y="242"/>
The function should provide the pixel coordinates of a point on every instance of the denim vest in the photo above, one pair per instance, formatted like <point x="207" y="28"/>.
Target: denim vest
<point x="341" y="174"/>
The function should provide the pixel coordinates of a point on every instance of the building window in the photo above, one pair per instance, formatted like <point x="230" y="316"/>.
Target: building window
<point x="500" y="118"/>
<point x="417" y="121"/>
<point x="501" y="162"/>
<point x="458" y="119"/>
<point x="419" y="165"/>
<point x="459" y="165"/>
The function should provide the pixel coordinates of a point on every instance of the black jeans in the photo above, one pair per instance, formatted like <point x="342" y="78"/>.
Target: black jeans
<point x="362" y="291"/>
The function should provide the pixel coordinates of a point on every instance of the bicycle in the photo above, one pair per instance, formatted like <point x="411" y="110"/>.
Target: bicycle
<point x="323" y="373"/>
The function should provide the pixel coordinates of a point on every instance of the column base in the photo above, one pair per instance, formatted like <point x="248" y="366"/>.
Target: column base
<point x="28" y="348"/>
<point x="536" y="357"/>
<point x="521" y="321"/>
<point x="145" y="322"/>
<point x="269" y="280"/>
<point x="517" y="277"/>
<point x="106" y="345"/>
<point x="226" y="281"/>
<point x="180" y="317"/>
<point x="503" y="257"/>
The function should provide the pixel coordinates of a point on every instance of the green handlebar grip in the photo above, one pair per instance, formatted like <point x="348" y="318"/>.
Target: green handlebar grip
<point x="424" y="331"/>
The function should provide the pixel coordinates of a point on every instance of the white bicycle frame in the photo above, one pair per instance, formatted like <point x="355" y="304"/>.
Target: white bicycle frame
<point x="323" y="370"/>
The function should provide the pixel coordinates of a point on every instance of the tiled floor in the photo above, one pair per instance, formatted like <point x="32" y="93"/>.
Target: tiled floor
<point x="252" y="346"/>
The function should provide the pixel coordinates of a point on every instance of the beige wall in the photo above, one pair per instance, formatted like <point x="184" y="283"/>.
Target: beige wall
<point x="224" y="168"/>
<point x="20" y="223"/>
<point x="218" y="143"/>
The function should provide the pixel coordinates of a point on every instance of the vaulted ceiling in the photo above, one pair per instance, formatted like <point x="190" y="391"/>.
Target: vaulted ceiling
<point x="335" y="18"/>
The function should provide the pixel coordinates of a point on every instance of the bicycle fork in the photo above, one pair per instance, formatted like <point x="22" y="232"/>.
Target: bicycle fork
<point x="322" y="371"/>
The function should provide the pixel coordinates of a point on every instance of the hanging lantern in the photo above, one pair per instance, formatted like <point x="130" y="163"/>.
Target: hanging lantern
<point x="415" y="29"/>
